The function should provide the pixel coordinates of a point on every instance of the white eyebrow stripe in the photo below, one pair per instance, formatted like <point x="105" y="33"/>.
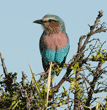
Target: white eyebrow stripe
<point x="47" y="18"/>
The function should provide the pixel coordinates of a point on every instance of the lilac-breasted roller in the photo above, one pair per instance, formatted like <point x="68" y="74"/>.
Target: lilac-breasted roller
<point x="54" y="42"/>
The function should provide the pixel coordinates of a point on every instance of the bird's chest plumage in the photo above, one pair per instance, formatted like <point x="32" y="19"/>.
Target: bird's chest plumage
<point x="54" y="47"/>
<point x="55" y="41"/>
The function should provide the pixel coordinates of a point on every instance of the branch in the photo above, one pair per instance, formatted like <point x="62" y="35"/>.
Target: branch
<point x="98" y="91"/>
<point x="81" y="48"/>
<point x="99" y="59"/>
<point x="3" y="65"/>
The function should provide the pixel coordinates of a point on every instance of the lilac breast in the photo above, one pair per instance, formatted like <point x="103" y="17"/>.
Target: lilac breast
<point x="55" y="41"/>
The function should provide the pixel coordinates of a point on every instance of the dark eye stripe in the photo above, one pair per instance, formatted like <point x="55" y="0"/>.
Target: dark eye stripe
<point x="50" y="20"/>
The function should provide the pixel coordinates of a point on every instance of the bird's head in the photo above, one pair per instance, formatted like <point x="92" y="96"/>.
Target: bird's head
<point x="51" y="23"/>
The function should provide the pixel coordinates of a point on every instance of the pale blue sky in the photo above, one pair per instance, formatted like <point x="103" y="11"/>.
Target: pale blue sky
<point x="17" y="29"/>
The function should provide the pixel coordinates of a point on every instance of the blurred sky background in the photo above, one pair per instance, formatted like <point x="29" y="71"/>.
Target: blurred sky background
<point x="18" y="30"/>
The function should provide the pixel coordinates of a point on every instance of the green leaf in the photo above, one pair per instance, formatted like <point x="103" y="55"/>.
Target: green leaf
<point x="12" y="104"/>
<point x="15" y="105"/>
<point x="104" y="49"/>
<point x="60" y="103"/>
<point x="85" y="98"/>
<point x="57" y="98"/>
<point x="72" y="67"/>
<point x="64" y="101"/>
<point x="74" y="71"/>
<point x="72" y="60"/>
<point x="89" y="64"/>
<point x="76" y="65"/>
<point x="100" y="55"/>
<point x="92" y="56"/>
<point x="53" y="79"/>
<point x="98" y="52"/>
<point x="90" y="45"/>
<point x="103" y="61"/>
<point x="98" y="45"/>
<point x="100" y="81"/>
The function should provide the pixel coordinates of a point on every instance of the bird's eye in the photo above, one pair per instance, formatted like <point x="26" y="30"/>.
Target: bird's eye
<point x="50" y="20"/>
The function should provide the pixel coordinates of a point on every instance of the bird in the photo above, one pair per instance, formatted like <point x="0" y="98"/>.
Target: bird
<point x="54" y="41"/>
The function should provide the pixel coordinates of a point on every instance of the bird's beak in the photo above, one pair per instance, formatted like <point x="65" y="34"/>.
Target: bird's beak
<point x="39" y="21"/>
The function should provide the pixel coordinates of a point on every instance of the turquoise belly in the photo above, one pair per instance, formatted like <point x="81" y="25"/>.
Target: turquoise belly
<point x="55" y="55"/>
